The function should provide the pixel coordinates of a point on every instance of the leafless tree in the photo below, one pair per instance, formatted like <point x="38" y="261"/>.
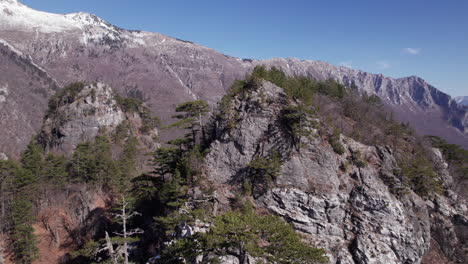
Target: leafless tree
<point x="121" y="251"/>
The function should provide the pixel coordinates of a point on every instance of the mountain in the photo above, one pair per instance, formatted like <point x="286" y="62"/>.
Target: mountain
<point x="24" y="90"/>
<point x="164" y="71"/>
<point x="463" y="100"/>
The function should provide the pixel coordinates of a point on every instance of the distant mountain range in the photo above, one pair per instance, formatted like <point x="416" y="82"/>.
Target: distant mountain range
<point x="49" y="51"/>
<point x="463" y="100"/>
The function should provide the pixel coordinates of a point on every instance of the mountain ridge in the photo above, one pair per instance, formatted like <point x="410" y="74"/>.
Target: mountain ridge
<point x="167" y="71"/>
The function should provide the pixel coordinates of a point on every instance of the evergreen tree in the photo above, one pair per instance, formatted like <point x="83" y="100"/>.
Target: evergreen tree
<point x="242" y="233"/>
<point x="7" y="176"/>
<point x="263" y="171"/>
<point x="82" y="163"/>
<point x="191" y="117"/>
<point x="31" y="158"/>
<point x="22" y="215"/>
<point x="55" y="169"/>
<point x="297" y="122"/>
<point x="127" y="163"/>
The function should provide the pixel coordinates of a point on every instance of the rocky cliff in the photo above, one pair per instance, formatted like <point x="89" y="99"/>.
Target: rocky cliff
<point x="346" y="207"/>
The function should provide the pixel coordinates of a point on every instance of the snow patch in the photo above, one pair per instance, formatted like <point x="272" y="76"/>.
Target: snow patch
<point x="18" y="17"/>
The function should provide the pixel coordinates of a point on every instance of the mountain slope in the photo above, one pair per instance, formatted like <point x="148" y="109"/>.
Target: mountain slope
<point x="165" y="71"/>
<point x="463" y="100"/>
<point x="24" y="90"/>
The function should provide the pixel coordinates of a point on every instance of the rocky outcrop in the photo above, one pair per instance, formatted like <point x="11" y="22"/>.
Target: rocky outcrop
<point x="92" y="110"/>
<point x="349" y="209"/>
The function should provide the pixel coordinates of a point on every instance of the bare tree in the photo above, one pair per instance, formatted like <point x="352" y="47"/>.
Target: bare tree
<point x="121" y="251"/>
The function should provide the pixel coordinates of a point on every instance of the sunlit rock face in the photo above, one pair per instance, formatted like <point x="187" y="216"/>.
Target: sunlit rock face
<point x="79" y="121"/>
<point x="349" y="210"/>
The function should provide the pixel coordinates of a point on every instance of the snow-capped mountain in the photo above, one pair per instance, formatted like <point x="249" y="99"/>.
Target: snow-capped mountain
<point x="463" y="100"/>
<point x="165" y="71"/>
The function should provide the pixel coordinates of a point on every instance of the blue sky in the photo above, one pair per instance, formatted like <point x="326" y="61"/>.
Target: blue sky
<point x="396" y="38"/>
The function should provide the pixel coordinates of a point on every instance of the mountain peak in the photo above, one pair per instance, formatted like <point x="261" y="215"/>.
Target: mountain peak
<point x="19" y="17"/>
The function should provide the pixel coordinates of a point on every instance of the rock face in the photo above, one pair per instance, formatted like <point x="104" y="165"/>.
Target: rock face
<point x="93" y="109"/>
<point x="165" y="71"/>
<point x="347" y="209"/>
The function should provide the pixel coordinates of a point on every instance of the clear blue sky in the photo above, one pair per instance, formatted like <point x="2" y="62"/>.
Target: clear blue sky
<point x="397" y="38"/>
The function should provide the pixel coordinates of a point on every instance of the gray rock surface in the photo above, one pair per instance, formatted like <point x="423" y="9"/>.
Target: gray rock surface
<point x="350" y="211"/>
<point x="94" y="109"/>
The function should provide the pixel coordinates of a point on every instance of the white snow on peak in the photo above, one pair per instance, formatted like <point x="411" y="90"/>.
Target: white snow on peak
<point x="17" y="16"/>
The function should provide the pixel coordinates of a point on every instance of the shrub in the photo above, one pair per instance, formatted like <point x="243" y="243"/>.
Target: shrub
<point x="263" y="171"/>
<point x="335" y="143"/>
<point x="128" y="105"/>
<point x="64" y="96"/>
<point x="418" y="173"/>
<point x="358" y="160"/>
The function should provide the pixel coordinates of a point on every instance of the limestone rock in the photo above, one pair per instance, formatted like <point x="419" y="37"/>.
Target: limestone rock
<point x="350" y="211"/>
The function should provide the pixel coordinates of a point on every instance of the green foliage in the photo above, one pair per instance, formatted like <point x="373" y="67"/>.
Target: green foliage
<point x="127" y="164"/>
<point x="24" y="244"/>
<point x="31" y="158"/>
<point x="263" y="171"/>
<point x="191" y="117"/>
<point x="22" y="215"/>
<point x="122" y="131"/>
<point x="55" y="169"/>
<point x="239" y="88"/>
<point x="87" y="253"/>
<point x="297" y="123"/>
<point x="358" y="159"/>
<point x="127" y="104"/>
<point x="300" y="88"/>
<point x="455" y="155"/>
<point x="92" y="162"/>
<point x="65" y="96"/>
<point x="8" y="170"/>
<point x="418" y="173"/>
<point x="334" y="140"/>
<point x="243" y="232"/>
<point x="173" y="191"/>
<point x="246" y="188"/>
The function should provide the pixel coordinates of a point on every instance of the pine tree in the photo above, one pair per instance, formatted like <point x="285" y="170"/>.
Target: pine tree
<point x="7" y="176"/>
<point x="81" y="164"/>
<point x="191" y="118"/>
<point x="55" y="169"/>
<point x="244" y="233"/>
<point x="22" y="215"/>
<point x="31" y="158"/>
<point x="297" y="123"/>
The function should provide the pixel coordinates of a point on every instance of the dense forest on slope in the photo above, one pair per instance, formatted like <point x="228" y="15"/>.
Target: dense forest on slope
<point x="149" y="212"/>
